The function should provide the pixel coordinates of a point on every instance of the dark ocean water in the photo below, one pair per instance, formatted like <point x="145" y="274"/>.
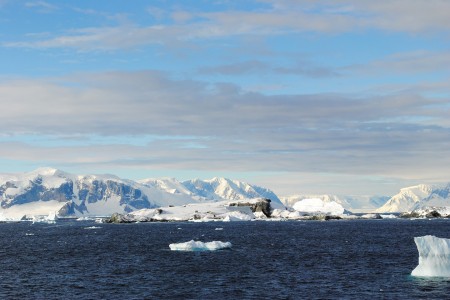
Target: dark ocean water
<point x="359" y="259"/>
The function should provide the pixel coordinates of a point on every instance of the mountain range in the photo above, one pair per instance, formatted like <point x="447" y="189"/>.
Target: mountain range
<point x="47" y="189"/>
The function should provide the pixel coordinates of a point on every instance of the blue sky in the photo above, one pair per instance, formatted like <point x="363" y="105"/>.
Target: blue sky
<point x="338" y="97"/>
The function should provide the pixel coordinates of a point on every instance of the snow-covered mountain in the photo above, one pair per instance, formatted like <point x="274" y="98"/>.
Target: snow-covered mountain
<point x="46" y="189"/>
<point x="417" y="197"/>
<point x="170" y="185"/>
<point x="223" y="188"/>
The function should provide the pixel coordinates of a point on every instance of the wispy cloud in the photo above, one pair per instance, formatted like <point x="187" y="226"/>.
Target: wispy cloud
<point x="421" y="61"/>
<point x="260" y="67"/>
<point x="41" y="6"/>
<point x="283" y="17"/>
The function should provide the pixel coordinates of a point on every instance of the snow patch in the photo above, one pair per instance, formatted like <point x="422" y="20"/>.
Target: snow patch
<point x="434" y="257"/>
<point x="200" y="246"/>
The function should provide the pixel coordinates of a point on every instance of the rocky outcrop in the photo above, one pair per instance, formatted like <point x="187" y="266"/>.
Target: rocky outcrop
<point x="129" y="218"/>
<point x="119" y="218"/>
<point x="260" y="205"/>
<point x="428" y="212"/>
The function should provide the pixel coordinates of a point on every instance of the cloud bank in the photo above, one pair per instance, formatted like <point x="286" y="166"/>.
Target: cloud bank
<point x="222" y="127"/>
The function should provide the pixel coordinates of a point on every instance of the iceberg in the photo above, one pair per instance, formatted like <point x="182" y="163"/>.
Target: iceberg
<point x="237" y="216"/>
<point x="200" y="246"/>
<point x="434" y="257"/>
<point x="316" y="205"/>
<point x="50" y="218"/>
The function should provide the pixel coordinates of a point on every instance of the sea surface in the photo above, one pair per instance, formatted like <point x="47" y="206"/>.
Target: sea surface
<point x="355" y="259"/>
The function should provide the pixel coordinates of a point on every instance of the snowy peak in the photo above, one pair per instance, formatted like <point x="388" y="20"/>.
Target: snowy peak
<point x="82" y="195"/>
<point x="418" y="191"/>
<point x="44" y="171"/>
<point x="169" y="185"/>
<point x="219" y="188"/>
<point x="416" y="197"/>
<point x="69" y="194"/>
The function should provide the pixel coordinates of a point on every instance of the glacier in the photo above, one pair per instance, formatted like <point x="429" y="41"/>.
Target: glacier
<point x="200" y="246"/>
<point x="434" y="257"/>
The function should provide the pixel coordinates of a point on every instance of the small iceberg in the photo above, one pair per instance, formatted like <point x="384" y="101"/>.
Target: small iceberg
<point x="234" y="216"/>
<point x="92" y="227"/>
<point x="434" y="257"/>
<point x="51" y="218"/>
<point x="200" y="246"/>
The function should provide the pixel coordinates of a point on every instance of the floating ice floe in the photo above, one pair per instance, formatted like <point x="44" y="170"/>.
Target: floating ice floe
<point x="92" y="227"/>
<point x="237" y="216"/>
<point x="200" y="246"/>
<point x="434" y="257"/>
<point x="85" y="219"/>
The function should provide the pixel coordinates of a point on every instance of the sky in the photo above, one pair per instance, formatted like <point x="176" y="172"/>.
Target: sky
<point x="302" y="97"/>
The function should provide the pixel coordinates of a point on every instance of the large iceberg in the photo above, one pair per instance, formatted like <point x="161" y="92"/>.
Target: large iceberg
<point x="316" y="205"/>
<point x="200" y="246"/>
<point x="434" y="257"/>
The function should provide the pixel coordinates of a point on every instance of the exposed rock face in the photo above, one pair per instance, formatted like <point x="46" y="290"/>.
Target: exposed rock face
<point x="130" y="197"/>
<point x="129" y="218"/>
<point x="76" y="193"/>
<point x="433" y="214"/>
<point x="428" y="212"/>
<point x="101" y="195"/>
<point x="119" y="218"/>
<point x="262" y="205"/>
<point x="36" y="191"/>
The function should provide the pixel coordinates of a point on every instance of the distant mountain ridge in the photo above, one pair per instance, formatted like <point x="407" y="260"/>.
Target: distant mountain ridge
<point x="46" y="189"/>
<point x="417" y="197"/>
<point x="351" y="203"/>
<point x="223" y="188"/>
